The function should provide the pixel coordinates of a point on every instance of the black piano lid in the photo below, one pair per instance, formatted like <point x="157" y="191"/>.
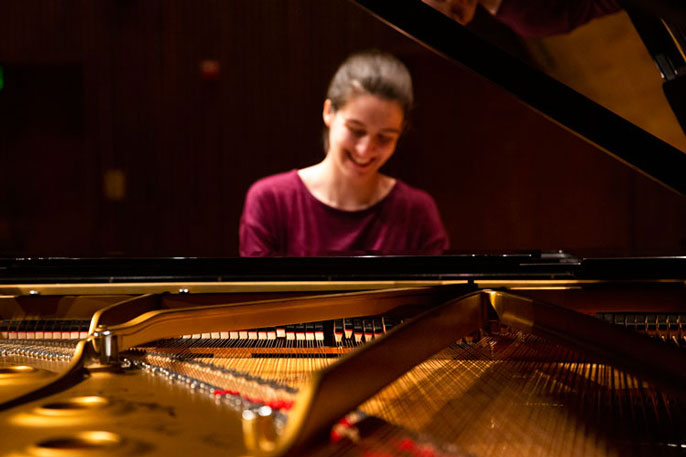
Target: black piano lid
<point x="533" y="265"/>
<point x="583" y="117"/>
<point x="360" y="268"/>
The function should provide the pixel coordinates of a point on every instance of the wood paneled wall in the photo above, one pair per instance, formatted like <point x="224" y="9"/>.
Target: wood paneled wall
<point x="122" y="89"/>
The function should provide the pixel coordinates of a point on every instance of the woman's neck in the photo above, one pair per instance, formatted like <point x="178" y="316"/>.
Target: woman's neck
<point x="342" y="192"/>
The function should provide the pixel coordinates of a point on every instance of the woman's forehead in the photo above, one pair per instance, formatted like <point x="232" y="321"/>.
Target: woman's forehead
<point x="371" y="109"/>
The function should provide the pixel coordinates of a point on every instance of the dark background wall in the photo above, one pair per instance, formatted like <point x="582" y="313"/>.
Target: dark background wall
<point x="115" y="142"/>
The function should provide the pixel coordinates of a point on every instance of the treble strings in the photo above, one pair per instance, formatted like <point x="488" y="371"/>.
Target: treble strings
<point x="255" y="364"/>
<point x="287" y="362"/>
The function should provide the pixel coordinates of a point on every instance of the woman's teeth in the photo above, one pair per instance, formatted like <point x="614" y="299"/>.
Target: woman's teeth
<point x="359" y="161"/>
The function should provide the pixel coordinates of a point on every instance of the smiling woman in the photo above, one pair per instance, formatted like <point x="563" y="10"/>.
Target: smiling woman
<point x="344" y="205"/>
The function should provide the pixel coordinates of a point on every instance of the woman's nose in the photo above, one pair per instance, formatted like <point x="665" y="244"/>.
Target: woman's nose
<point x="364" y="146"/>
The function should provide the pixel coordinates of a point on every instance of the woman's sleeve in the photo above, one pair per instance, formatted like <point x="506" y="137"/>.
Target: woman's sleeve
<point x="257" y="237"/>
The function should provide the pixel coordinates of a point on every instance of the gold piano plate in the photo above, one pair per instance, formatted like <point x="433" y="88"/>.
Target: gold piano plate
<point x="148" y="415"/>
<point x="22" y="374"/>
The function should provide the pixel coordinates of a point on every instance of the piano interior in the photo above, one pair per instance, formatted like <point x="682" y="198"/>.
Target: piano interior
<point x="432" y="367"/>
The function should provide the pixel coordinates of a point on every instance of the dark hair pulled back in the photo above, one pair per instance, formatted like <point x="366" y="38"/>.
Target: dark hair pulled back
<point x="371" y="72"/>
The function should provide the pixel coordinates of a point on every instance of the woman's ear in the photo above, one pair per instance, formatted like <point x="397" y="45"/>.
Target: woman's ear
<point x="328" y="112"/>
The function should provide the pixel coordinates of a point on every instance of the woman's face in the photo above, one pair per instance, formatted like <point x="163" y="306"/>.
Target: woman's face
<point x="363" y="133"/>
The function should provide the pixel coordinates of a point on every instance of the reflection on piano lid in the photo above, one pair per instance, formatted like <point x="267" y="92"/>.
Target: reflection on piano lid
<point x="611" y="133"/>
<point x="666" y="42"/>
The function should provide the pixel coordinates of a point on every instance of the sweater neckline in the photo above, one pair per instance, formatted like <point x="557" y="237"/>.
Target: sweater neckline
<point x="386" y="198"/>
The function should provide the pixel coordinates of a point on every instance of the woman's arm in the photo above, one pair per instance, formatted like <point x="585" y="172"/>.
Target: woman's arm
<point x="256" y="231"/>
<point x="435" y="240"/>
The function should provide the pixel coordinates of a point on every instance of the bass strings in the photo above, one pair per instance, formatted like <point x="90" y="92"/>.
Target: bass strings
<point x="519" y="395"/>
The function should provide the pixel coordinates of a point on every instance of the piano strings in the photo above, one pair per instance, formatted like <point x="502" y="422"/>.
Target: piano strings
<point x="507" y="394"/>
<point x="261" y="366"/>
<point x="515" y="394"/>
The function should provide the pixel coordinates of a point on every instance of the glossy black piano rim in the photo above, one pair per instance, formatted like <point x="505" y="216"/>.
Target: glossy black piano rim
<point x="554" y="265"/>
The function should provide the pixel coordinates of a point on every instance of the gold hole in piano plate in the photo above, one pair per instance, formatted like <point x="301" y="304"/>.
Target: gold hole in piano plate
<point x="84" y="443"/>
<point x="17" y="370"/>
<point x="70" y="412"/>
<point x="76" y="405"/>
<point x="19" y="375"/>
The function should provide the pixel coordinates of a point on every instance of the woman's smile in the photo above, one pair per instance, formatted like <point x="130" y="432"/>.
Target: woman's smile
<point x="360" y="162"/>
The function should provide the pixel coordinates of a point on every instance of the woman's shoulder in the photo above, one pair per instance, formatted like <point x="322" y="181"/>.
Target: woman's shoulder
<point x="410" y="195"/>
<point x="280" y="183"/>
<point x="421" y="208"/>
<point x="280" y="179"/>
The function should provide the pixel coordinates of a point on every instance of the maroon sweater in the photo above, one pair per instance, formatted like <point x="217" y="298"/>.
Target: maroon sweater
<point x="282" y="218"/>
<point x="538" y="18"/>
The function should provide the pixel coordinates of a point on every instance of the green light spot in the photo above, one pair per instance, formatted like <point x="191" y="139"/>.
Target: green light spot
<point x="2" y="78"/>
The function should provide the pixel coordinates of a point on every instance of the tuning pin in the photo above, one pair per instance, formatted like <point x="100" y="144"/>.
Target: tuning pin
<point x="259" y="431"/>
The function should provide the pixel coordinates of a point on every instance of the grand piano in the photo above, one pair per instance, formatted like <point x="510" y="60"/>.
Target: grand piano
<point x="531" y="353"/>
